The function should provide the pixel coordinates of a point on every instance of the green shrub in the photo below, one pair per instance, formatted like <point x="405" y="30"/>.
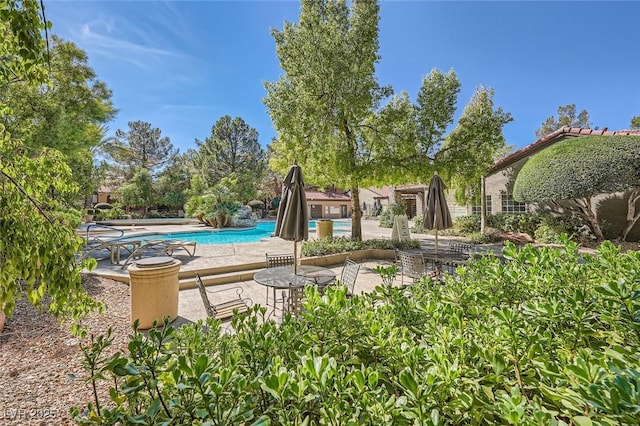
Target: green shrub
<point x="563" y="224"/>
<point x="530" y="222"/>
<point x="468" y="224"/>
<point x="389" y="212"/>
<point x="546" y="234"/>
<point x="517" y="222"/>
<point x="543" y="338"/>
<point x="334" y="245"/>
<point x="417" y="228"/>
<point x="113" y="212"/>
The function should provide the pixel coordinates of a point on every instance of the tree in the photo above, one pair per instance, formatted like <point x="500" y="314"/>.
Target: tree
<point x="38" y="242"/>
<point x="566" y="117"/>
<point x="635" y="122"/>
<point x="471" y="147"/>
<point x="139" y="191"/>
<point x="141" y="147"/>
<point x="569" y="173"/>
<point x="321" y="103"/>
<point x="65" y="113"/>
<point x="327" y="109"/>
<point x="23" y="50"/>
<point x="231" y="151"/>
<point x="173" y="183"/>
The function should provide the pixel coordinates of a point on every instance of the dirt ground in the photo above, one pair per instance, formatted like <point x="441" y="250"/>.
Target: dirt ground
<point x="38" y="356"/>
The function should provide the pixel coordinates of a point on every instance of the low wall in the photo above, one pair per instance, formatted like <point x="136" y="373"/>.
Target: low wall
<point x="244" y="272"/>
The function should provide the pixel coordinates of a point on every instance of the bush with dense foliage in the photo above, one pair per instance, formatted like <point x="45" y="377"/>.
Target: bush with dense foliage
<point x="542" y="338"/>
<point x="389" y="212"/>
<point x="216" y="208"/>
<point x="333" y="245"/>
<point x="416" y="227"/>
<point x="575" y="170"/>
<point x="467" y="224"/>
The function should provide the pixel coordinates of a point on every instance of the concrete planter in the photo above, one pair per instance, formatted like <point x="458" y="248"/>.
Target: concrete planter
<point x="339" y="258"/>
<point x="154" y="290"/>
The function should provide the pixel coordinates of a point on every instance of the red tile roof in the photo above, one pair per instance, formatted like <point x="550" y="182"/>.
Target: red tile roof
<point x="551" y="138"/>
<point x="383" y="192"/>
<point x="323" y="196"/>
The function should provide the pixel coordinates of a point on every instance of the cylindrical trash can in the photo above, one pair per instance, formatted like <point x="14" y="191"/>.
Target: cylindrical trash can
<point x="154" y="289"/>
<point x="324" y="228"/>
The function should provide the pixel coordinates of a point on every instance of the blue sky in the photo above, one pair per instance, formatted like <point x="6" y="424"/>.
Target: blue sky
<point x="181" y="65"/>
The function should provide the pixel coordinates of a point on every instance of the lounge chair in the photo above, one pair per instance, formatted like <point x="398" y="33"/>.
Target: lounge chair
<point x="99" y="238"/>
<point x="160" y="247"/>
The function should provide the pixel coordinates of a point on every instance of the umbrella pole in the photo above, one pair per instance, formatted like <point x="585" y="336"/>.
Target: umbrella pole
<point x="295" y="258"/>
<point x="436" y="240"/>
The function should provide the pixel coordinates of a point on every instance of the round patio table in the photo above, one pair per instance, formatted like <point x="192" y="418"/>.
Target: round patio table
<point x="282" y="277"/>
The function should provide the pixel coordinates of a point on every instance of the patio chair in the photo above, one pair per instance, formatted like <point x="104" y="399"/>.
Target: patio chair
<point x="461" y="253"/>
<point x="414" y="266"/>
<point x="292" y="300"/>
<point x="161" y="247"/>
<point x="223" y="310"/>
<point x="349" y="275"/>
<point x="460" y="247"/>
<point x="275" y="261"/>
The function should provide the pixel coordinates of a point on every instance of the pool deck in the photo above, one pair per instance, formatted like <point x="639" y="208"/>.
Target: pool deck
<point x="245" y="259"/>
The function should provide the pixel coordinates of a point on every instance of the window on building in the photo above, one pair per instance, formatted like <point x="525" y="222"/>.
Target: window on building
<point x="478" y="209"/>
<point x="509" y="205"/>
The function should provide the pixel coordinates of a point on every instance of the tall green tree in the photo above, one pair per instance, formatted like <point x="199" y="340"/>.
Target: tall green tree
<point x="139" y="192"/>
<point x="23" y="49"/>
<point x="140" y="147"/>
<point x="327" y="93"/>
<point x="472" y="146"/>
<point x="571" y="172"/>
<point x="635" y="122"/>
<point x="38" y="242"/>
<point x="327" y="106"/>
<point x="232" y="151"/>
<point x="567" y="116"/>
<point x="66" y="113"/>
<point x="172" y="184"/>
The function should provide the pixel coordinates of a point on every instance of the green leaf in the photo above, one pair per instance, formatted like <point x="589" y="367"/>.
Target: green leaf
<point x="582" y="421"/>
<point x="408" y="381"/>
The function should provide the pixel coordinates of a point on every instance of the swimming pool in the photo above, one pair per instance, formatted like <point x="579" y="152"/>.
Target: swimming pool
<point x="232" y="236"/>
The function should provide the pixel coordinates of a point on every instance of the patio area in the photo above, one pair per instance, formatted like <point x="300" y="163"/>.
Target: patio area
<point x="246" y="259"/>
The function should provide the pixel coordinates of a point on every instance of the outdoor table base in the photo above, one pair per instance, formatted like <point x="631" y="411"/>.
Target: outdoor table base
<point x="283" y="277"/>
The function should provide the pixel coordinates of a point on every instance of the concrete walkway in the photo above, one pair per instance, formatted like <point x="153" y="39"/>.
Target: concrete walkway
<point x="210" y="256"/>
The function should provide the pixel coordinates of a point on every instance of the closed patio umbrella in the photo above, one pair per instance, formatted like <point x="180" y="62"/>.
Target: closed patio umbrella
<point x="292" y="223"/>
<point x="436" y="212"/>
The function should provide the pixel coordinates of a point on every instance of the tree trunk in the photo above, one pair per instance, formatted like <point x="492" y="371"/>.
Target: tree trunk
<point x="584" y="209"/>
<point x="356" y="214"/>
<point x="632" y="214"/>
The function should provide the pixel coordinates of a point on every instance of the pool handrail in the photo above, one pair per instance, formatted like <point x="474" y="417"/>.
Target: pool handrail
<point x="90" y="237"/>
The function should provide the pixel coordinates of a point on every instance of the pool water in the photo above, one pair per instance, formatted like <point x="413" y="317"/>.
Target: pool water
<point x="232" y="236"/>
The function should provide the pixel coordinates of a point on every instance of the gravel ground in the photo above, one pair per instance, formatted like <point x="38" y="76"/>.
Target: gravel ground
<point x="37" y="355"/>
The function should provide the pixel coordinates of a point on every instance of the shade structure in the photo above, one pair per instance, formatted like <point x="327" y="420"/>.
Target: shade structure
<point x="436" y="212"/>
<point x="292" y="223"/>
